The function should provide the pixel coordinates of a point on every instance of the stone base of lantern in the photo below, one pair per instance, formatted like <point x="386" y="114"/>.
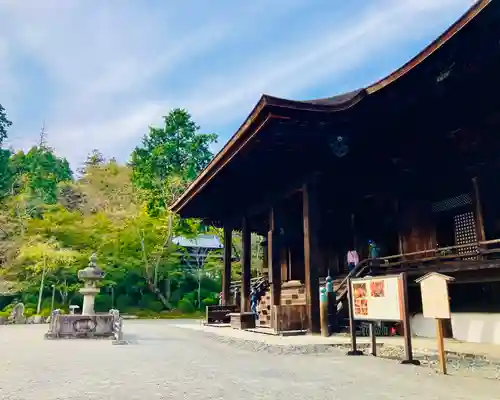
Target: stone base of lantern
<point x="89" y="294"/>
<point x="99" y="326"/>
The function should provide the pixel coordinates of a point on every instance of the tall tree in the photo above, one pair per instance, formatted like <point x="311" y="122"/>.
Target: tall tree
<point x="41" y="170"/>
<point x="4" y="124"/>
<point x="5" y="173"/>
<point x="176" y="149"/>
<point x="94" y="158"/>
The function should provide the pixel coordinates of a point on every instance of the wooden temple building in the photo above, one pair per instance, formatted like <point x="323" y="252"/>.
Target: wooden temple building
<point x="411" y="162"/>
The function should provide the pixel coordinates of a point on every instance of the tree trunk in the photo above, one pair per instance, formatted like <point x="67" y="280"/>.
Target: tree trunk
<point x="40" y="293"/>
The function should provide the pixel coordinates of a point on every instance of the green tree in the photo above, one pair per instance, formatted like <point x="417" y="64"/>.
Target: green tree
<point x="4" y="124"/>
<point x="5" y="173"/>
<point x="41" y="170"/>
<point x="94" y="159"/>
<point x="50" y="223"/>
<point x="39" y="257"/>
<point x="177" y="149"/>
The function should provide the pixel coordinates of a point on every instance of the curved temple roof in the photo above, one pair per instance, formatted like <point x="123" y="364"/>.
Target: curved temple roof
<point x="330" y="104"/>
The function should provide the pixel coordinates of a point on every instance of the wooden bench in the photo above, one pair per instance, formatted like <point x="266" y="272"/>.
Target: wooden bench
<point x="245" y="320"/>
<point x="219" y="313"/>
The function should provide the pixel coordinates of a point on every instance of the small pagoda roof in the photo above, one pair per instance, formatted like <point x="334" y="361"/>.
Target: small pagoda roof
<point x="204" y="241"/>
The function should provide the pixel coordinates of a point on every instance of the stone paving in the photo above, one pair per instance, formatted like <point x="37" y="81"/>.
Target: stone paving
<point x="163" y="361"/>
<point x="463" y="359"/>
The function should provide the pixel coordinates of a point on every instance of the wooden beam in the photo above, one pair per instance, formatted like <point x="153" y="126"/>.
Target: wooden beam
<point x="310" y="220"/>
<point x="246" y="260"/>
<point x="226" y="273"/>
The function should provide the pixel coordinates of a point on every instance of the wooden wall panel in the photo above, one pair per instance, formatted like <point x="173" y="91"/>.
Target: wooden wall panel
<point x="418" y="232"/>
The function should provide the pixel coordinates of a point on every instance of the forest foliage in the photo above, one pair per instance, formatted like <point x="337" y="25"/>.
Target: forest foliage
<point x="52" y="220"/>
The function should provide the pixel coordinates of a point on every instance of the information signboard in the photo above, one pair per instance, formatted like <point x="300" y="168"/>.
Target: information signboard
<point x="377" y="298"/>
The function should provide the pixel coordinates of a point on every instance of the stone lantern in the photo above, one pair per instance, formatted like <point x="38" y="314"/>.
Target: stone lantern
<point x="90" y="276"/>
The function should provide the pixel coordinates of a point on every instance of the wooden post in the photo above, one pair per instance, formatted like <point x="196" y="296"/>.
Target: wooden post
<point x="353" y="232"/>
<point x="324" y="312"/>
<point x="246" y="259"/>
<point x="265" y="259"/>
<point x="436" y="305"/>
<point x="284" y="262"/>
<point x="478" y="212"/>
<point x="373" y="337"/>
<point x="406" y="322"/>
<point x="440" y="345"/>
<point x="226" y="273"/>
<point x="273" y="248"/>
<point x="352" y="323"/>
<point x="310" y="220"/>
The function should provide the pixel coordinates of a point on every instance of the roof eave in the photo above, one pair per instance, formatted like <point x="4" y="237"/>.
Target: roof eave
<point x="212" y="167"/>
<point x="431" y="48"/>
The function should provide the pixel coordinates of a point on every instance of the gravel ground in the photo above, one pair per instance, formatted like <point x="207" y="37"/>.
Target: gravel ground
<point x="165" y="362"/>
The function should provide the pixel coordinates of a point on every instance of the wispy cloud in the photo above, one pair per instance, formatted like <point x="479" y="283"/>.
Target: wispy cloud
<point x="111" y="70"/>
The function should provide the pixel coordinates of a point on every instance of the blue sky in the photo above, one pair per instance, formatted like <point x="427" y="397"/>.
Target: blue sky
<point x="99" y="72"/>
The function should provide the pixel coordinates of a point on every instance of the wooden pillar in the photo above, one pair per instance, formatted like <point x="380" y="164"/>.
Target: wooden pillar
<point x="284" y="263"/>
<point x="273" y="248"/>
<point x="246" y="260"/>
<point x="311" y="256"/>
<point x="226" y="273"/>
<point x="478" y="212"/>
<point x="265" y="259"/>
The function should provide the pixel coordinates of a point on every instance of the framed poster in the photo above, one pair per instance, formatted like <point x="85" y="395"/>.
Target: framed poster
<point x="377" y="298"/>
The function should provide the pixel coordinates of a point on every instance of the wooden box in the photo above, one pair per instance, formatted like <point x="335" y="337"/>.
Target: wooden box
<point x="244" y="320"/>
<point x="219" y="313"/>
<point x="290" y="318"/>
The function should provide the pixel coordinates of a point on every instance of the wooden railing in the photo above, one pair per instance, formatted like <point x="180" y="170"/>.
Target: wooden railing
<point x="254" y="282"/>
<point x="440" y="254"/>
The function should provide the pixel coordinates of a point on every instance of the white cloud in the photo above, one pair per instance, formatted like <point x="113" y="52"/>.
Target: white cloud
<point x="103" y="60"/>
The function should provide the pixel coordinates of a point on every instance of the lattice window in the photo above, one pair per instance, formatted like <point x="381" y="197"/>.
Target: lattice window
<point x="452" y="202"/>
<point x="465" y="232"/>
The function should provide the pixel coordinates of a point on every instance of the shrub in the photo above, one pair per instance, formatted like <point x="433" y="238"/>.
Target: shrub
<point x="208" y="302"/>
<point x="156" y="306"/>
<point x="146" y="300"/>
<point x="146" y="314"/>
<point x="28" y="312"/>
<point x="8" y="308"/>
<point x="29" y="298"/>
<point x="186" y="307"/>
<point x="123" y="302"/>
<point x="47" y="303"/>
<point x="45" y="312"/>
<point x="102" y="303"/>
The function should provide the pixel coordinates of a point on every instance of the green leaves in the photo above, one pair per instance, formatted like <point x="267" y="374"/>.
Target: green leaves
<point x="40" y="254"/>
<point x="4" y="124"/>
<point x="177" y="152"/>
<point x="37" y="173"/>
<point x="50" y="223"/>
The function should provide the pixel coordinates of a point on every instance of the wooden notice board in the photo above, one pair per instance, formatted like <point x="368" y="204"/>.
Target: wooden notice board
<point x="435" y="299"/>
